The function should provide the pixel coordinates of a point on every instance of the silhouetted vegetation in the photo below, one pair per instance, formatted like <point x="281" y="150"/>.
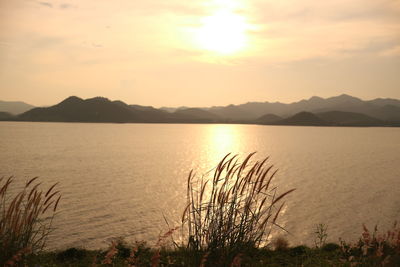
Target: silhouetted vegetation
<point x="235" y="210"/>
<point x="372" y="249"/>
<point x="25" y="219"/>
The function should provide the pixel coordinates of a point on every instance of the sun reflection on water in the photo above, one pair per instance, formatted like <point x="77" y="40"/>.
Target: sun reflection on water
<point x="222" y="139"/>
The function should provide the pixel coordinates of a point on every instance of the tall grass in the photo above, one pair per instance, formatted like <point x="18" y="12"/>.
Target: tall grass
<point x="25" y="219"/>
<point x="235" y="209"/>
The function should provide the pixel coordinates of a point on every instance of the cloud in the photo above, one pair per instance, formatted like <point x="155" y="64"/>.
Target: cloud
<point x="47" y="4"/>
<point x="66" y="6"/>
<point x="335" y="10"/>
<point x="156" y="7"/>
<point x="306" y="29"/>
<point x="392" y="52"/>
<point x="97" y="45"/>
<point x="4" y="43"/>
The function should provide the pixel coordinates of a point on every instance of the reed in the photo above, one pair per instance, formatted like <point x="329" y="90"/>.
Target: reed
<point x="25" y="219"/>
<point x="235" y="209"/>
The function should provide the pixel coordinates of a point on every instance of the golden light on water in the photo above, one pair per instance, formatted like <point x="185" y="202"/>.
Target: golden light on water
<point x="223" y="139"/>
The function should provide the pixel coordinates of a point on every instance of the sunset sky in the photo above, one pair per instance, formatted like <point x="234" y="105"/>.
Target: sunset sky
<point x="198" y="52"/>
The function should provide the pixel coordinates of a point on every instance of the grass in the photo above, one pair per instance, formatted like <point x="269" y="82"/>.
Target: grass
<point x="25" y="219"/>
<point x="141" y="255"/>
<point x="234" y="210"/>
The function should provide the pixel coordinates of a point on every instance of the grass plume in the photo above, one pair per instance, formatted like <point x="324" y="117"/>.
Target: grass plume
<point x="233" y="210"/>
<point x="25" y="219"/>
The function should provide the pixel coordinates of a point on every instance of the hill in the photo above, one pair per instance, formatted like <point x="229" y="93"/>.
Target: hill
<point x="268" y="119"/>
<point x="304" y="119"/>
<point x="342" y="118"/>
<point x="6" y="116"/>
<point x="330" y="118"/>
<point x="383" y="109"/>
<point x="14" y="107"/>
<point x="98" y="109"/>
<point x="195" y="115"/>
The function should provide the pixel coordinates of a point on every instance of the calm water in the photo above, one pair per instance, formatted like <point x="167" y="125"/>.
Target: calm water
<point x="119" y="179"/>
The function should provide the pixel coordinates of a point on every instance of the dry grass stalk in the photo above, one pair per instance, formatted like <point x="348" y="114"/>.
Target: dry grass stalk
<point x="237" y="260"/>
<point x="111" y="253"/>
<point x="155" y="259"/>
<point x="236" y="208"/>
<point x="281" y="243"/>
<point x="131" y="261"/>
<point x="374" y="247"/>
<point x="204" y="259"/>
<point x="25" y="219"/>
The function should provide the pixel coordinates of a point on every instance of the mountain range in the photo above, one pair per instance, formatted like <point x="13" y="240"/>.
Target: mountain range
<point x="342" y="110"/>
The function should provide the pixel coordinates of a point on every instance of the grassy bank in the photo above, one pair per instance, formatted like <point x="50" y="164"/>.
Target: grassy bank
<point x="142" y="255"/>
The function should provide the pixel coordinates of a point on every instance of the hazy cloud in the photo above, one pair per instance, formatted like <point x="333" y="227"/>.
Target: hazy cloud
<point x="392" y="52"/>
<point x="47" y="4"/>
<point x="97" y="45"/>
<point x="330" y="29"/>
<point x="177" y="7"/>
<point x="66" y="6"/>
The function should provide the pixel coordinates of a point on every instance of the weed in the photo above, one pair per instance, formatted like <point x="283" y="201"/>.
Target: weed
<point x="25" y="219"/>
<point x="235" y="209"/>
<point x="321" y="233"/>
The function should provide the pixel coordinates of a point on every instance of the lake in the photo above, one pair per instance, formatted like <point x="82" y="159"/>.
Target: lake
<point x="119" y="180"/>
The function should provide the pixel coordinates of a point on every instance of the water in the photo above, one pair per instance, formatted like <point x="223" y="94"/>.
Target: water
<point x="119" y="180"/>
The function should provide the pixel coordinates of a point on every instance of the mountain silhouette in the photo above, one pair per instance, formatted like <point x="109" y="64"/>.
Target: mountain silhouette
<point x="98" y="109"/>
<point x="342" y="118"/>
<point x="268" y="119"/>
<point x="342" y="110"/>
<point x="383" y="109"/>
<point x="14" y="107"/>
<point x="195" y="114"/>
<point x="304" y="119"/>
<point x="6" y="116"/>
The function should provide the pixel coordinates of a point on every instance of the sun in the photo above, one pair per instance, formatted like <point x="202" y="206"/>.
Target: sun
<point x="223" y="32"/>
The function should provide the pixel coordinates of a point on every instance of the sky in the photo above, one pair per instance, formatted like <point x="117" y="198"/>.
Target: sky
<point x="199" y="52"/>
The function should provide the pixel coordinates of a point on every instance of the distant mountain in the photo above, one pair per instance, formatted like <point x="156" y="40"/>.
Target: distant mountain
<point x="98" y="109"/>
<point x="384" y="102"/>
<point x="6" y="116"/>
<point x="343" y="110"/>
<point x="232" y="112"/>
<point x="330" y="118"/>
<point x="195" y="114"/>
<point x="389" y="113"/>
<point x="342" y="118"/>
<point x="383" y="109"/>
<point x="268" y="119"/>
<point x="303" y="118"/>
<point x="14" y="107"/>
<point x="172" y="110"/>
